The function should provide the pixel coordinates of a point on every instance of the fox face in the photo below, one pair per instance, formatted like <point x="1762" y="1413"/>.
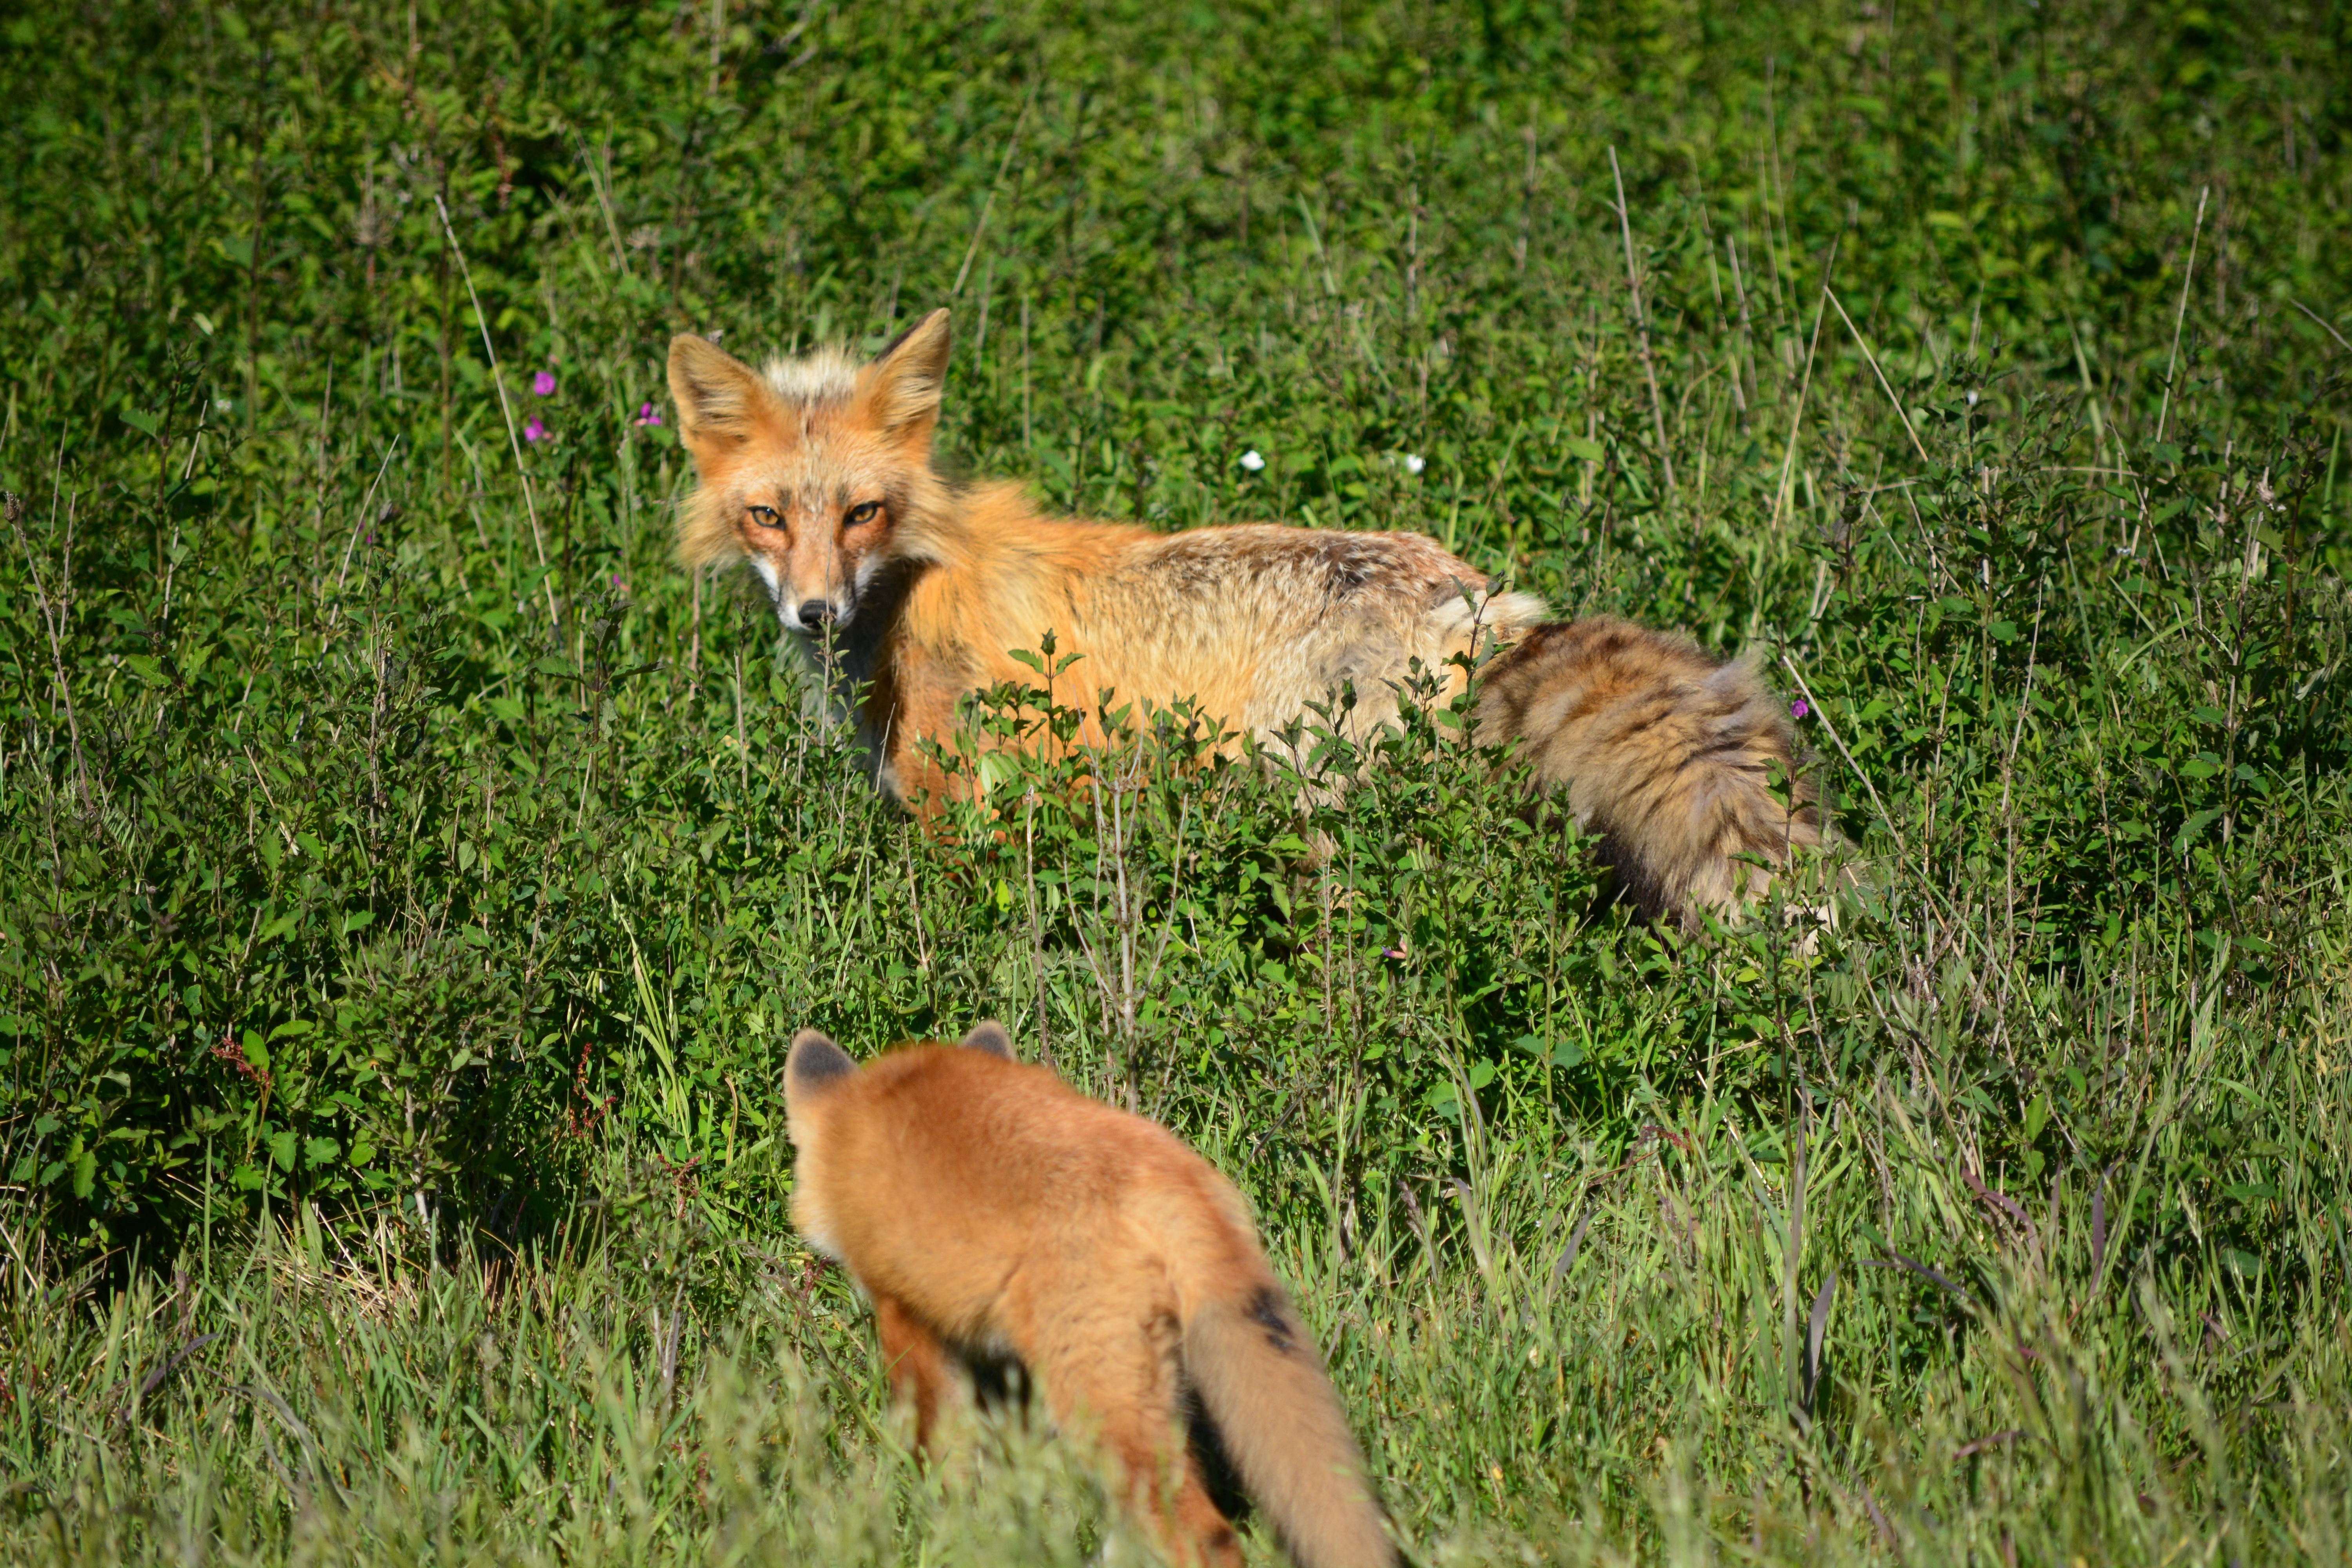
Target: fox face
<point x="818" y="471"/>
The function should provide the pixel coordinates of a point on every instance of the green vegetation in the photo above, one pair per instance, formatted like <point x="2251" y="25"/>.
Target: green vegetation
<point x="408" y="878"/>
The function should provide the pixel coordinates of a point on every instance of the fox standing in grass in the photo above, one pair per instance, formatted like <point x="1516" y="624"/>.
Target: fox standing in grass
<point x="996" y="1215"/>
<point x="915" y="591"/>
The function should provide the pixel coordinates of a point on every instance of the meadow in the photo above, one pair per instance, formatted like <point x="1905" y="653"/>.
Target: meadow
<point x="409" y="877"/>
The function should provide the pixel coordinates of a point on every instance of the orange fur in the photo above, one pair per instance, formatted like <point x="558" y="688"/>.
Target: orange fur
<point x="992" y="1212"/>
<point x="911" y="593"/>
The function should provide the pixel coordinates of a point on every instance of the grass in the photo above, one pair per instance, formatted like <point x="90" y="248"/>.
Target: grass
<point x="410" y="878"/>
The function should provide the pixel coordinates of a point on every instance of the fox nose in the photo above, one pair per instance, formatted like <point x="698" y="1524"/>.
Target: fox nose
<point x="816" y="613"/>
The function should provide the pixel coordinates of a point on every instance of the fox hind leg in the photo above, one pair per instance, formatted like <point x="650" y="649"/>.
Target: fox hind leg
<point x="1105" y="1375"/>
<point x="917" y="1364"/>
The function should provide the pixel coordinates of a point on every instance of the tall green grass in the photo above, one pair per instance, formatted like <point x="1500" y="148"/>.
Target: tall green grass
<point x="410" y="878"/>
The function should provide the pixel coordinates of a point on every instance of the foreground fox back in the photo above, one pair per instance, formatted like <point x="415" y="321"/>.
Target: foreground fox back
<point x="992" y="1212"/>
<point x="911" y="593"/>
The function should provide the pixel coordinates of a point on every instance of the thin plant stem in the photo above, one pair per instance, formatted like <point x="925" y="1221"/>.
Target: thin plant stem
<point x="514" y="436"/>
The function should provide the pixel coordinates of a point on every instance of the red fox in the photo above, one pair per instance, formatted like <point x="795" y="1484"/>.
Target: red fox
<point x="912" y="592"/>
<point x="995" y="1214"/>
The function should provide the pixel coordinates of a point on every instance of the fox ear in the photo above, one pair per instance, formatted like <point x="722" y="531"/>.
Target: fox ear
<point x="718" y="399"/>
<point x="899" y="392"/>
<point x="990" y="1037"/>
<point x="814" y="1062"/>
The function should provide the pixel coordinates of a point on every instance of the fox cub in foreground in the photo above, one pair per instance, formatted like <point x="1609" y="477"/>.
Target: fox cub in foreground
<point x="911" y="591"/>
<point x="994" y="1215"/>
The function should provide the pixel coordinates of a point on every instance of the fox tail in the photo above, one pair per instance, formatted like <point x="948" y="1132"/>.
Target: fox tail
<point x="1278" y="1420"/>
<point x="1669" y="755"/>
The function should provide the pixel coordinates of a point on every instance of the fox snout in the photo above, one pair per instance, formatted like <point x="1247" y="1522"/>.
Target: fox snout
<point x="810" y="606"/>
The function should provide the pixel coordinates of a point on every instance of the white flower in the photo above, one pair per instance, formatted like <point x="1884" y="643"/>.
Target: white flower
<point x="1414" y="462"/>
<point x="1252" y="461"/>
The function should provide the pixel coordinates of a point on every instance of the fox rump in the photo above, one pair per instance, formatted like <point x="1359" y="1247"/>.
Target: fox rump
<point x="912" y="592"/>
<point x="995" y="1215"/>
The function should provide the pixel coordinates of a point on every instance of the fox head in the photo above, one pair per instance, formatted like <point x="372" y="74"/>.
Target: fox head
<point x="815" y="1070"/>
<point x="818" y="471"/>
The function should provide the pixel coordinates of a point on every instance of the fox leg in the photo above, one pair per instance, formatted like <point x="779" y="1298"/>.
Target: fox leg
<point x="917" y="1364"/>
<point x="1104" y="1374"/>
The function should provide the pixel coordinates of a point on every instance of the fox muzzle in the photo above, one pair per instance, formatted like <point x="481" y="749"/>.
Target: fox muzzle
<point x="814" y="617"/>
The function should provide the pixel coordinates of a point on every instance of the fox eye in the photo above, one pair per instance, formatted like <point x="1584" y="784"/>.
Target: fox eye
<point x="765" y="516"/>
<point x="864" y="512"/>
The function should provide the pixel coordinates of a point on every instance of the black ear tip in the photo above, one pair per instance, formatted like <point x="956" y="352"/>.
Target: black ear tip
<point x="990" y="1037"/>
<point x="815" y="1060"/>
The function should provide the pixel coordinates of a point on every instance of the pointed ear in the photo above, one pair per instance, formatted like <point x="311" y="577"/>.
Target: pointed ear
<point x="720" y="398"/>
<point x="899" y="394"/>
<point x="815" y="1062"/>
<point x="990" y="1037"/>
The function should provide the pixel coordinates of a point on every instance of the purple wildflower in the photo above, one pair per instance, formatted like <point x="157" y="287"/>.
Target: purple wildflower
<point x="535" y="431"/>
<point x="543" y="383"/>
<point x="647" y="415"/>
<point x="1798" y="709"/>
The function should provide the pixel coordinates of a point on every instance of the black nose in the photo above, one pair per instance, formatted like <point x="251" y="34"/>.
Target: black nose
<point x="815" y="613"/>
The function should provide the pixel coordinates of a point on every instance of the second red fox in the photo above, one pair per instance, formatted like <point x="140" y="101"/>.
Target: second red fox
<point x="912" y="593"/>
<point x="992" y="1212"/>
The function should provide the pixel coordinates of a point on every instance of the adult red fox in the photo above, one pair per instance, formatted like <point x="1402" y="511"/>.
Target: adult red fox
<point x="914" y="591"/>
<point x="994" y="1215"/>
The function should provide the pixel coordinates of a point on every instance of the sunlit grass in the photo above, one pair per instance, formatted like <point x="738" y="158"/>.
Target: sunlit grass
<point x="408" y="877"/>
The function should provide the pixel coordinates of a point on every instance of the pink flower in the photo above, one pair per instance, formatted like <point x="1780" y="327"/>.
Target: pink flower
<point x="1798" y="709"/>
<point x="543" y="383"/>
<point x="535" y="431"/>
<point x="647" y="415"/>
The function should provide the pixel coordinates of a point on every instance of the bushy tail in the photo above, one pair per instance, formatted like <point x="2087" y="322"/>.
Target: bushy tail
<point x="1257" y="1376"/>
<point x="1679" y="763"/>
